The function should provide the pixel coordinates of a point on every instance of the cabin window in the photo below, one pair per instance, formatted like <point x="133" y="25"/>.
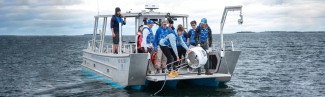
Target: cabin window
<point x="107" y="70"/>
<point x="94" y="65"/>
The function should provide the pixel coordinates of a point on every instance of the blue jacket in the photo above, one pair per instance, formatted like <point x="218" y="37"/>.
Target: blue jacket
<point x="160" y="34"/>
<point x="171" y="39"/>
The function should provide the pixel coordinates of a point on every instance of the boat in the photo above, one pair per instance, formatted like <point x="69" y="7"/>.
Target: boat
<point x="130" y="68"/>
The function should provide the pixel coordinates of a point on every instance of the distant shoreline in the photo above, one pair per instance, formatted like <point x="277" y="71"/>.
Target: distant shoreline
<point x="248" y="32"/>
<point x="283" y="32"/>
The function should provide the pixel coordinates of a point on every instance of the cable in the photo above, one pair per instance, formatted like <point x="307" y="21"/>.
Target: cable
<point x="162" y="86"/>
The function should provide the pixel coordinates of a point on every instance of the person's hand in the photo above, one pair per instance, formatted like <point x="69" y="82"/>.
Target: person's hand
<point x="145" y="50"/>
<point x="124" y="17"/>
<point x="113" y="34"/>
<point x="177" y="58"/>
<point x="198" y="45"/>
<point x="189" y="51"/>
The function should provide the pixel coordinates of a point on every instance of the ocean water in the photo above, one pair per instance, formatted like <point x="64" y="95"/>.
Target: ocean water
<point x="271" y="64"/>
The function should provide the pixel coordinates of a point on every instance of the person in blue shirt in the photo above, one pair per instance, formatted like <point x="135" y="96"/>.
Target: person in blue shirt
<point x="115" y="20"/>
<point x="161" y="59"/>
<point x="170" y="41"/>
<point x="191" y="35"/>
<point x="203" y="38"/>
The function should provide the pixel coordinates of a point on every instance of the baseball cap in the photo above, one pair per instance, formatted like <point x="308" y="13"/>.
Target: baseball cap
<point x="150" y="22"/>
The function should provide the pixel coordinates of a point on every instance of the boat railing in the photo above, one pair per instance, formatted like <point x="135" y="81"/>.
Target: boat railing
<point x="127" y="48"/>
<point x="229" y="45"/>
<point x="96" y="48"/>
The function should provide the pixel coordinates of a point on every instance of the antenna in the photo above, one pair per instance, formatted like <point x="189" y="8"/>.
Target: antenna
<point x="97" y="8"/>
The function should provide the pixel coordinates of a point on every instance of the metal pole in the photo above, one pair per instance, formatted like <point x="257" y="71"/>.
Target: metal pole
<point x="120" y="39"/>
<point x="103" y="33"/>
<point x="186" y="25"/>
<point x="136" y="33"/>
<point x="94" y="34"/>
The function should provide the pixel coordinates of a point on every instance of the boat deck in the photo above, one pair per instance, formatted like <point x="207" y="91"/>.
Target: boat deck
<point x="157" y="78"/>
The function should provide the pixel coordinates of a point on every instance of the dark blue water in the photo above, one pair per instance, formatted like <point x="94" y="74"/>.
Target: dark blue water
<point x="271" y="64"/>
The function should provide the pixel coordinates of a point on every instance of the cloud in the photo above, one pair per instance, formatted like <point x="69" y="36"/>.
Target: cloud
<point x="71" y="17"/>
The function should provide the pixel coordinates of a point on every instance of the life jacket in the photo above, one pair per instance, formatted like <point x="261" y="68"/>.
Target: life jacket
<point x="168" y="42"/>
<point x="119" y="20"/>
<point x="192" y="38"/>
<point x="139" y="40"/>
<point x="163" y="33"/>
<point x="204" y="33"/>
<point x="184" y="39"/>
<point x="150" y="37"/>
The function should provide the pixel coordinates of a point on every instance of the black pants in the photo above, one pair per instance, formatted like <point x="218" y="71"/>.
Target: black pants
<point x="170" y="55"/>
<point x="181" y="51"/>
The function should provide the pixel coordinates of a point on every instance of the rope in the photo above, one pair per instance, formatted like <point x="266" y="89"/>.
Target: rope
<point x="162" y="87"/>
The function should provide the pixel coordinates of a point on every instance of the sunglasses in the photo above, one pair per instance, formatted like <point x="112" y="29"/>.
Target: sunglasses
<point x="193" y="24"/>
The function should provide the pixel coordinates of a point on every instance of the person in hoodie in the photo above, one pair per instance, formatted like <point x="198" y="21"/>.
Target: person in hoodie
<point x="170" y="41"/>
<point x="161" y="59"/>
<point x="203" y="38"/>
<point x="115" y="20"/>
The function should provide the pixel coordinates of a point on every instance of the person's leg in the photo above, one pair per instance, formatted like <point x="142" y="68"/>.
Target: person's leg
<point x="115" y="43"/>
<point x="168" y="55"/>
<point x="206" y="66"/>
<point x="174" y="58"/>
<point x="163" y="62"/>
<point x="179" y="50"/>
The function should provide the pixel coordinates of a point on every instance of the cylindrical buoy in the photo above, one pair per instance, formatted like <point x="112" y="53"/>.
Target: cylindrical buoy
<point x="197" y="58"/>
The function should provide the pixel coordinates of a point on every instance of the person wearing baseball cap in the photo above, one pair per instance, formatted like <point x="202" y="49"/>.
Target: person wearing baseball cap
<point x="161" y="59"/>
<point x="115" y="20"/>
<point x="147" y="37"/>
<point x="203" y="38"/>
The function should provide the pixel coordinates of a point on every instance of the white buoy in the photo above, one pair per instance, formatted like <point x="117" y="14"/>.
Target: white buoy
<point x="197" y="58"/>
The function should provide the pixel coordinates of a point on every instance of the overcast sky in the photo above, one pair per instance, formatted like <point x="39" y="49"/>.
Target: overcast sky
<point x="75" y="17"/>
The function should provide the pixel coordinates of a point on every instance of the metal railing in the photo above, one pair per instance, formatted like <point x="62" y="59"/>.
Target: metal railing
<point x="227" y="45"/>
<point x="127" y="48"/>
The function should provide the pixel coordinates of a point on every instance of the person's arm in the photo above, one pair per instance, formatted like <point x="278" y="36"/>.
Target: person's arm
<point x="124" y="21"/>
<point x="155" y="43"/>
<point x="189" y="36"/>
<point x="180" y="38"/>
<point x="112" y="26"/>
<point x="172" y="40"/>
<point x="144" y="39"/>
<point x="210" y="36"/>
<point x="197" y="38"/>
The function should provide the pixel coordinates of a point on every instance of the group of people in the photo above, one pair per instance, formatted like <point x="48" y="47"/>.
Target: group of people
<point x="168" y="44"/>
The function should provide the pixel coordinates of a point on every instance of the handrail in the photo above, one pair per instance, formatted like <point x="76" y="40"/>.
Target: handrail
<point x="215" y="46"/>
<point x="223" y="21"/>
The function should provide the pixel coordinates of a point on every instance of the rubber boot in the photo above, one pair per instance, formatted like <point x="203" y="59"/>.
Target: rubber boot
<point x="207" y="72"/>
<point x="163" y="70"/>
<point x="199" y="71"/>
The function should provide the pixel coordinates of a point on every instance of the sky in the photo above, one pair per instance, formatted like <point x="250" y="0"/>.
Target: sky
<point x="76" y="17"/>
